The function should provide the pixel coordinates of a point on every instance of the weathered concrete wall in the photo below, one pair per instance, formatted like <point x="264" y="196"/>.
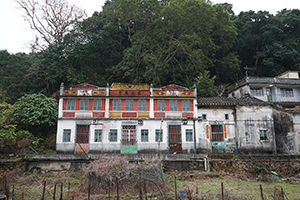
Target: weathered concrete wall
<point x="251" y="120"/>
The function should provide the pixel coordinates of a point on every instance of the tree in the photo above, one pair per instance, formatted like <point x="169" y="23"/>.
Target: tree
<point x="205" y="84"/>
<point x="50" y="18"/>
<point x="36" y="113"/>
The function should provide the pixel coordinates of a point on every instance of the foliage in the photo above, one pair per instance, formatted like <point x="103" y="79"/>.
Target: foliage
<point x="205" y="84"/>
<point x="36" y="113"/>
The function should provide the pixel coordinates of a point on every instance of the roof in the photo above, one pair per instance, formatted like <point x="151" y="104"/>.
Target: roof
<point x="224" y="101"/>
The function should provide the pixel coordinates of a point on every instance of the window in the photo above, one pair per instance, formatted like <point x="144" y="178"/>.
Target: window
<point x="66" y="135"/>
<point x="84" y="104"/>
<point x="113" y="135"/>
<point x="287" y="92"/>
<point x="142" y="104"/>
<point x="186" y="106"/>
<point x="129" y="104"/>
<point x="71" y="104"/>
<point x="98" y="135"/>
<point x="144" y="135"/>
<point x="173" y="105"/>
<point x="226" y="116"/>
<point x="257" y="92"/>
<point x="117" y="104"/>
<point x="160" y="105"/>
<point x="189" y="135"/>
<point x="263" y="134"/>
<point x="157" y="133"/>
<point x="97" y="104"/>
<point x="204" y="116"/>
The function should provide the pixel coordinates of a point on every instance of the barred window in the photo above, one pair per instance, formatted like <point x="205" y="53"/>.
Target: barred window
<point x="84" y="104"/>
<point x="257" y="91"/>
<point x="287" y="92"/>
<point x="98" y="135"/>
<point x="263" y="134"/>
<point x="71" y="104"/>
<point x="144" y="135"/>
<point x="66" y="135"/>
<point x="97" y="104"/>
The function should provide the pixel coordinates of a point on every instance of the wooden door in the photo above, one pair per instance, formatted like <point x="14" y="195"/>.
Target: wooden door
<point x="128" y="142"/>
<point x="175" y="144"/>
<point x="82" y="138"/>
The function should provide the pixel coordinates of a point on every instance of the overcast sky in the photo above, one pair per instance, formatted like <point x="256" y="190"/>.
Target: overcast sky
<point x="15" y="34"/>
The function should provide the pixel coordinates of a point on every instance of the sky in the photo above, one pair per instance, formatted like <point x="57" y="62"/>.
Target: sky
<point x="15" y="33"/>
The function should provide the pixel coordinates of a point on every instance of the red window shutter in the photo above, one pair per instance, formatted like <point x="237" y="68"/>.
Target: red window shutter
<point x="77" y="106"/>
<point x="135" y="104"/>
<point x="207" y="131"/>
<point x="192" y="105"/>
<point x="110" y="104"/>
<point x="123" y="105"/>
<point x="179" y="105"/>
<point x="64" y="104"/>
<point x="148" y="105"/>
<point x="103" y="104"/>
<point x="91" y="104"/>
<point x="167" y="105"/>
<point x="155" y="104"/>
<point x="225" y="132"/>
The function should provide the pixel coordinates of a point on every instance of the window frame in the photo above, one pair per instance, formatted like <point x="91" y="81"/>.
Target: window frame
<point x="190" y="133"/>
<point x="263" y="134"/>
<point x="142" y="104"/>
<point x="66" y="135"/>
<point x="204" y="117"/>
<point x="287" y="92"/>
<point x="84" y="104"/>
<point x="113" y="135"/>
<point x="97" y="104"/>
<point x="161" y="105"/>
<point x="71" y="103"/>
<point x="98" y="135"/>
<point x="186" y="105"/>
<point x="173" y="105"/>
<point x="258" y="92"/>
<point x="157" y="132"/>
<point x="226" y="117"/>
<point x="117" y="104"/>
<point x="144" y="135"/>
<point x="129" y="104"/>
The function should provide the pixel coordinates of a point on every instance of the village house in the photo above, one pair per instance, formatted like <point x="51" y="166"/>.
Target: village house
<point x="126" y="118"/>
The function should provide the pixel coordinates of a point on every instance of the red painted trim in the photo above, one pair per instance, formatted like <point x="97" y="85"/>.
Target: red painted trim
<point x="110" y="104"/>
<point x="187" y="114"/>
<point x="179" y="105"/>
<point x="167" y="105"/>
<point x="91" y="104"/>
<point x="129" y="93"/>
<point x="159" y="114"/>
<point x="98" y="114"/>
<point x="192" y="105"/>
<point x="64" y="104"/>
<point x="103" y="104"/>
<point x="84" y="86"/>
<point x="135" y="105"/>
<point x="131" y="114"/>
<point x="155" y="104"/>
<point x="77" y="106"/>
<point x="148" y="104"/>
<point x="68" y="114"/>
<point x="123" y="105"/>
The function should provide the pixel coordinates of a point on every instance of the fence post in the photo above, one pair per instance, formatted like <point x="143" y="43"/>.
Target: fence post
<point x="109" y="190"/>
<point x="222" y="188"/>
<point x="261" y="192"/>
<point x="89" y="192"/>
<point x="5" y="187"/>
<point x="282" y="194"/>
<point x="44" y="188"/>
<point x="118" y="197"/>
<point x="13" y="192"/>
<point x="69" y="190"/>
<point x="175" y="188"/>
<point x="61" y="191"/>
<point x="54" y="192"/>
<point x="145" y="190"/>
<point x="140" y="186"/>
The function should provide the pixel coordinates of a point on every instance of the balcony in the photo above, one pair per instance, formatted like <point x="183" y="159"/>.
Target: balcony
<point x="278" y="98"/>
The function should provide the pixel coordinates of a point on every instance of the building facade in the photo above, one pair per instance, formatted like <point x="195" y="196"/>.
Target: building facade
<point x="126" y="118"/>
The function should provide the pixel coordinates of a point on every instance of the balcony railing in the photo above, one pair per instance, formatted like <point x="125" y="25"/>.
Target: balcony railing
<point x="278" y="98"/>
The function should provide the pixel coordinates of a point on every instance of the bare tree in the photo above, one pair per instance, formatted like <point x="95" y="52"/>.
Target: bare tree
<point x="50" y="18"/>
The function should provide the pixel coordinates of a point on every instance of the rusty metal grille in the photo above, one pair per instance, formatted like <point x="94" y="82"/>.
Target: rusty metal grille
<point x="82" y="133"/>
<point x="217" y="134"/>
<point x="129" y="135"/>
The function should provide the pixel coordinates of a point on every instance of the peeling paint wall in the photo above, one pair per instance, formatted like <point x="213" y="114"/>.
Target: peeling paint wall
<point x="255" y="129"/>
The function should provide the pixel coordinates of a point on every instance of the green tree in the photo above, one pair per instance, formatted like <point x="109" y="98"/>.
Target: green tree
<point x="205" y="84"/>
<point x="36" y="113"/>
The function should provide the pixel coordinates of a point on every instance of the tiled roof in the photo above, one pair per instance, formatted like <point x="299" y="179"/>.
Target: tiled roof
<point x="223" y="101"/>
